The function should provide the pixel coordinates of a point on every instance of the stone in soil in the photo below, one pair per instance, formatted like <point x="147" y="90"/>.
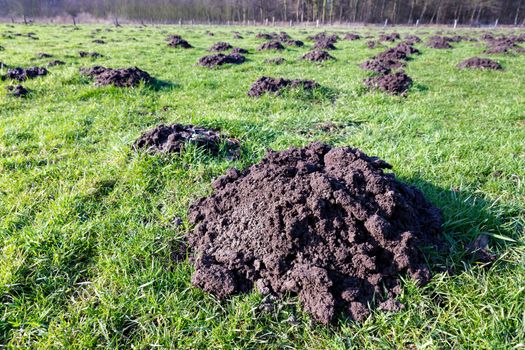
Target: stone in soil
<point x="326" y="224"/>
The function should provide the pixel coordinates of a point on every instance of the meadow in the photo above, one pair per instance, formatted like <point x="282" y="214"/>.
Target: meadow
<point x="89" y="226"/>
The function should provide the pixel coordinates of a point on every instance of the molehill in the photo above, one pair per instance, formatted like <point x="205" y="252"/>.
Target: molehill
<point x="326" y="224"/>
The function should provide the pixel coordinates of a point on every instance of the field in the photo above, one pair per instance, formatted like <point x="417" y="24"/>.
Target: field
<point x="87" y="224"/>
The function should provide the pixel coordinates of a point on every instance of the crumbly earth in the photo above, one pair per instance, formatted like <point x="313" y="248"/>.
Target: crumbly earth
<point x="220" y="46"/>
<point x="389" y="37"/>
<point x="119" y="77"/>
<point x="56" y="63"/>
<point x="396" y="83"/>
<point x="439" y="43"/>
<point x="324" y="45"/>
<point x="483" y="63"/>
<point x="275" y="85"/>
<point x="275" y="60"/>
<point x="23" y="74"/>
<point x="318" y="56"/>
<point x="173" y="138"/>
<point x="178" y="42"/>
<point x="326" y="224"/>
<point x="89" y="54"/>
<point x="16" y="90"/>
<point x="271" y="45"/>
<point x="220" y="59"/>
<point x="352" y="37"/>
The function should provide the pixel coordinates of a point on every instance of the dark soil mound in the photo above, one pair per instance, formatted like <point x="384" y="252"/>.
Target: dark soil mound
<point x="220" y="46"/>
<point x="264" y="36"/>
<point x="239" y="51"/>
<point x="89" y="54"/>
<point x="503" y="45"/>
<point x="173" y="138"/>
<point x="412" y="39"/>
<point x="56" y="63"/>
<point x="220" y="59"/>
<point x="324" y="37"/>
<point x="271" y="45"/>
<point x="22" y="74"/>
<point x="352" y="37"/>
<point x="292" y="42"/>
<point x="276" y="60"/>
<point x="98" y="41"/>
<point x="396" y="83"/>
<point x="372" y="44"/>
<point x="324" y="45"/>
<point x="16" y="90"/>
<point x="439" y="43"/>
<point x="178" y="42"/>
<point x="318" y="56"/>
<point x="389" y="37"/>
<point x="381" y="65"/>
<point x="44" y="55"/>
<point x="237" y="36"/>
<point x="483" y="63"/>
<point x="274" y="85"/>
<point x="119" y="77"/>
<point x="324" y="223"/>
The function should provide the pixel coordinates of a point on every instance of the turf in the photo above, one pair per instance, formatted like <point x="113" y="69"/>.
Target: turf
<point x="87" y="225"/>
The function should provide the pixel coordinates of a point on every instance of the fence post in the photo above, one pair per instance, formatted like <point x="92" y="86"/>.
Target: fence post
<point x="496" y="24"/>
<point x="386" y="22"/>
<point x="317" y="23"/>
<point x="291" y="23"/>
<point x="455" y="23"/>
<point x="417" y="23"/>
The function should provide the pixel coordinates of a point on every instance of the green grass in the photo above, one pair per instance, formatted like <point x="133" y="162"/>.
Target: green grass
<point x="86" y="223"/>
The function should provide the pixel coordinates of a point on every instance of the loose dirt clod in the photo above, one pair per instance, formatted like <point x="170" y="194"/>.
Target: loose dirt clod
<point x="3" y="65"/>
<point x="324" y="223"/>
<point x="483" y="63"/>
<point x="271" y="45"/>
<point x="239" y="51"/>
<point x="23" y="74"/>
<point x="119" y="77"/>
<point x="220" y="46"/>
<point x="220" y="59"/>
<point x="44" y="55"/>
<point x="318" y="56"/>
<point x="98" y="41"/>
<point x="16" y="90"/>
<point x="275" y="85"/>
<point x="372" y="44"/>
<point x="173" y="138"/>
<point x="396" y="83"/>
<point x="292" y="42"/>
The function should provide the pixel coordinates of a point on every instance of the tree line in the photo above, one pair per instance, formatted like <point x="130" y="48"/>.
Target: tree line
<point x="465" y="12"/>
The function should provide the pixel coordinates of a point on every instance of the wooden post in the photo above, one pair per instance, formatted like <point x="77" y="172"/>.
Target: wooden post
<point x="291" y="23"/>
<point x="386" y="22"/>
<point x="317" y="23"/>
<point x="455" y="23"/>
<point x="273" y="21"/>
<point x="417" y="22"/>
<point x="180" y="21"/>
<point x="496" y="24"/>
